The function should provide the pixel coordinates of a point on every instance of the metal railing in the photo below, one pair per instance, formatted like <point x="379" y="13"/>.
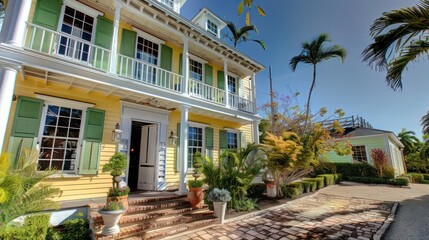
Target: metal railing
<point x="66" y="46"/>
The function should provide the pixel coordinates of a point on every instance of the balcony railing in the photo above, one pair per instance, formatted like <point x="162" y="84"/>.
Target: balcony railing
<point x="85" y="53"/>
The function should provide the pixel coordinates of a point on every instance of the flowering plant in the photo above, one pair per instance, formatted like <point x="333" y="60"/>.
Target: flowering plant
<point x="117" y="192"/>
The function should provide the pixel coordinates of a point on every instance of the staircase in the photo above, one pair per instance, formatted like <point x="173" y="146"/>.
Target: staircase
<point x="154" y="218"/>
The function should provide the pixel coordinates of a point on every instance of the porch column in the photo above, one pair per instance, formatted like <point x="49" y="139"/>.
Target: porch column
<point x="255" y="132"/>
<point x="114" y="48"/>
<point x="185" y="65"/>
<point x="183" y="159"/>
<point x="7" y="86"/>
<point x="14" y="26"/>
<point x="253" y="82"/>
<point x="225" y="70"/>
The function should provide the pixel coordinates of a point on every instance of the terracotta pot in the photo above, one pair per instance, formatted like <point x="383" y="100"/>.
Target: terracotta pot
<point x="196" y="197"/>
<point x="219" y="211"/>
<point x="122" y="199"/>
<point x="111" y="219"/>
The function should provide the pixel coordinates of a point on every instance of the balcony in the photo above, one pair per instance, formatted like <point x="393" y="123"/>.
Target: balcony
<point x="76" y="50"/>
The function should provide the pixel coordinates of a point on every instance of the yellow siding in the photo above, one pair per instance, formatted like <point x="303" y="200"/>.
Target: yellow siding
<point x="85" y="186"/>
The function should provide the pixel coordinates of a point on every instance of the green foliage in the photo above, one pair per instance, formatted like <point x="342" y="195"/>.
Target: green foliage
<point x="21" y="190"/>
<point x="256" y="190"/>
<point x="71" y="230"/>
<point x="320" y="181"/>
<point x="313" y="184"/>
<point x="291" y="191"/>
<point x="388" y="172"/>
<point x="117" y="164"/>
<point x="35" y="227"/>
<point x="417" y="177"/>
<point x="197" y="165"/>
<point x="338" y="177"/>
<point x="235" y="172"/>
<point x="329" y="179"/>
<point x="426" y="176"/>
<point x="113" y="206"/>
<point x="401" y="181"/>
<point x="219" y="195"/>
<point x="325" y="167"/>
<point x="117" y="192"/>
<point x="195" y="183"/>
<point x="356" y="170"/>
<point x="415" y="162"/>
<point x="307" y="186"/>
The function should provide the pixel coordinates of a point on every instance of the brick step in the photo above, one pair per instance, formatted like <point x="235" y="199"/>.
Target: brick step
<point x="154" y="206"/>
<point x="143" y="229"/>
<point x="142" y="200"/>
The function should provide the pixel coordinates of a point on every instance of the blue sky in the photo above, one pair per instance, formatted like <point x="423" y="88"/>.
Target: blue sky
<point x="352" y="85"/>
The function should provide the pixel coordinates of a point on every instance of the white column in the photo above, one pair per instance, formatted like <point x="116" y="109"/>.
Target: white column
<point x="183" y="157"/>
<point x="253" y="82"/>
<point x="7" y="86"/>
<point x="255" y="132"/>
<point x="14" y="27"/>
<point x="225" y="69"/>
<point x="185" y="65"/>
<point x="114" y="48"/>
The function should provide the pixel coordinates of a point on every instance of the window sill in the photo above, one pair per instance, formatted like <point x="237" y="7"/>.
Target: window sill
<point x="64" y="175"/>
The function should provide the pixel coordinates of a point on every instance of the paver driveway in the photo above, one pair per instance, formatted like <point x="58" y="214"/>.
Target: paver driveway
<point x="318" y="216"/>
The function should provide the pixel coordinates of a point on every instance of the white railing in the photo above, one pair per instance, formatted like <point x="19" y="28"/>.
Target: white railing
<point x="143" y="72"/>
<point x="240" y="103"/>
<point x="204" y="91"/>
<point x="66" y="46"/>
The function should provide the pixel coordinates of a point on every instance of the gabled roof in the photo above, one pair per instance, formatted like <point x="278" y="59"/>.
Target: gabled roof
<point x="363" y="131"/>
<point x="203" y="11"/>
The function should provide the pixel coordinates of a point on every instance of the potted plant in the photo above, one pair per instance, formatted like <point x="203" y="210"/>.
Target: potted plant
<point x="111" y="213"/>
<point x="196" y="191"/>
<point x="116" y="166"/>
<point x="219" y="197"/>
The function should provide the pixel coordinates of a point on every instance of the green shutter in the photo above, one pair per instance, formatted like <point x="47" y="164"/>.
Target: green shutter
<point x="25" y="127"/>
<point x="181" y="63"/>
<point x="208" y="75"/>
<point x="166" y="57"/>
<point x="47" y="13"/>
<point x="128" y="43"/>
<point x="103" y="38"/>
<point x="221" y="79"/>
<point x="209" y="138"/>
<point x="92" y="137"/>
<point x="223" y="139"/>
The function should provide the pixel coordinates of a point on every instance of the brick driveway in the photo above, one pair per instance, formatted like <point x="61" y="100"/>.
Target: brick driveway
<point x="318" y="216"/>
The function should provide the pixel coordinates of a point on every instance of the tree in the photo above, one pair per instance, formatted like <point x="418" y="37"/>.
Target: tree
<point x="248" y="4"/>
<point x="400" y="37"/>
<point x="240" y="35"/>
<point x="313" y="53"/>
<point x="425" y="123"/>
<point x="409" y="140"/>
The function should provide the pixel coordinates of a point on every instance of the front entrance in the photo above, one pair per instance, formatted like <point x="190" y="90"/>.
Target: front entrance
<point x="143" y="156"/>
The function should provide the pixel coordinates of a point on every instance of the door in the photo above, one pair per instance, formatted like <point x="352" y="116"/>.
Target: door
<point x="147" y="159"/>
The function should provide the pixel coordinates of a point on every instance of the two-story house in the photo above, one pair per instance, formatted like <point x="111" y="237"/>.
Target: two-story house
<point x="80" y="80"/>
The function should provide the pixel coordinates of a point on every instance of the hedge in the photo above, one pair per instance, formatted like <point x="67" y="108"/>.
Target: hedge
<point x="256" y="190"/>
<point x="319" y="180"/>
<point x="291" y="191"/>
<point x="312" y="184"/>
<point x="347" y="170"/>
<point x="329" y="179"/>
<point x="400" y="181"/>
<point x="338" y="177"/>
<point x="307" y="186"/>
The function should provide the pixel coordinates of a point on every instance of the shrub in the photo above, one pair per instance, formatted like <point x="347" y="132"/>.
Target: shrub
<point x="219" y="195"/>
<point x="338" y="177"/>
<point x="257" y="190"/>
<point x="319" y="180"/>
<point x="307" y="186"/>
<point x="380" y="161"/>
<point x="71" y="229"/>
<point x="329" y="179"/>
<point x="425" y="181"/>
<point x="325" y="167"/>
<point x="356" y="170"/>
<point x="290" y="191"/>
<point x="35" y="227"/>
<point x="388" y="172"/>
<point x="313" y="185"/>
<point x="417" y="177"/>
<point x="400" y="181"/>
<point x="370" y="180"/>
<point x="425" y="176"/>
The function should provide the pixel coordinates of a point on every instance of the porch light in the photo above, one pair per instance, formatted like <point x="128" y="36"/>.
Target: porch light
<point x="173" y="139"/>
<point x="116" y="133"/>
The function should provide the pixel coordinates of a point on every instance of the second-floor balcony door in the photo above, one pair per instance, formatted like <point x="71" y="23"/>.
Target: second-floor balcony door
<point x="80" y="26"/>
<point x="196" y="73"/>
<point x="232" y="91"/>
<point x="147" y="52"/>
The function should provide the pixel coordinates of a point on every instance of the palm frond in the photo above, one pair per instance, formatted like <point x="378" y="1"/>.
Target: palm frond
<point x="425" y="123"/>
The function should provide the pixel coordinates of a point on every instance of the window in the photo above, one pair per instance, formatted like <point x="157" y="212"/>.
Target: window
<point x="232" y="140"/>
<point x="61" y="130"/>
<point x="195" y="143"/>
<point x="148" y="52"/>
<point x="232" y="90"/>
<point x="211" y="27"/>
<point x="195" y="70"/>
<point x="169" y="3"/>
<point x="79" y="25"/>
<point x="359" y="154"/>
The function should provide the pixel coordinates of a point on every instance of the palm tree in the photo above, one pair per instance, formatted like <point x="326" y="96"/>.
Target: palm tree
<point x="409" y="140"/>
<point x="313" y="53"/>
<point x="400" y="37"/>
<point x="425" y="123"/>
<point x="240" y="35"/>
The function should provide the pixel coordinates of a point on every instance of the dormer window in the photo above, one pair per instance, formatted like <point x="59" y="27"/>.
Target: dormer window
<point x="169" y="3"/>
<point x="212" y="27"/>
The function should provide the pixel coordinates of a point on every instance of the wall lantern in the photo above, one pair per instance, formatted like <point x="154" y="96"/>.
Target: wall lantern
<point x="116" y="133"/>
<point x="172" y="139"/>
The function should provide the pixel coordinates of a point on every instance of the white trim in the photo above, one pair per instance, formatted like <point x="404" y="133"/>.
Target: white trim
<point x="147" y="36"/>
<point x="145" y="108"/>
<point x="232" y="130"/>
<point x="198" y="59"/>
<point x="64" y="102"/>
<point x="196" y="124"/>
<point x="82" y="8"/>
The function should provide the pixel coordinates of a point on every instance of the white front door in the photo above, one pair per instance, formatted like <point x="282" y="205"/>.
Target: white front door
<point x="148" y="155"/>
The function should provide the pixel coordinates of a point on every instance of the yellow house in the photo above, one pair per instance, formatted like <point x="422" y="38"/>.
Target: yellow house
<point x="80" y="80"/>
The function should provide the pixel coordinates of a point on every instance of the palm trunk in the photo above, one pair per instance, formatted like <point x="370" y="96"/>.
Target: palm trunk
<point x="308" y="100"/>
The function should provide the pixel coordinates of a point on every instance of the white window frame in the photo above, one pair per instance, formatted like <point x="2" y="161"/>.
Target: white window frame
<point x="210" y="30"/>
<point x="366" y="154"/>
<point x="203" y="135"/>
<point x="50" y="100"/>
<point x="199" y="60"/>
<point x="236" y="131"/>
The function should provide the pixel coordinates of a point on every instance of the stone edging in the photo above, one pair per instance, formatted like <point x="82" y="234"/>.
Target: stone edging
<point x="380" y="233"/>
